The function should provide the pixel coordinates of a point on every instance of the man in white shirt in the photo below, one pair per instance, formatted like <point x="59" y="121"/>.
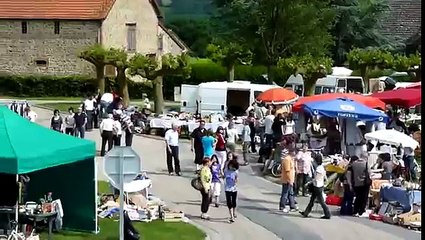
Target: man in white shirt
<point x="89" y="105"/>
<point x="31" y="115"/>
<point x="172" y="145"/>
<point x="246" y="138"/>
<point x="268" y="122"/>
<point x="106" y="128"/>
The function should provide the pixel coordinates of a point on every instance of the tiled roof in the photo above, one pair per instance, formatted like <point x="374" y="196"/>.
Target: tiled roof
<point x="55" y="9"/>
<point x="403" y="19"/>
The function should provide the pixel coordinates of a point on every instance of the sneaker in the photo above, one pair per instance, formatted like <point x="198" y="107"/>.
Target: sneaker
<point x="356" y="215"/>
<point x="294" y="209"/>
<point x="205" y="216"/>
<point x="216" y="205"/>
<point x="178" y="174"/>
<point x="302" y="213"/>
<point x="325" y="217"/>
<point x="171" y="174"/>
<point x="285" y="210"/>
<point x="231" y="220"/>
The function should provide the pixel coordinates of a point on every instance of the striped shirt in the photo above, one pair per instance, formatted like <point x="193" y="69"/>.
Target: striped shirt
<point x="126" y="122"/>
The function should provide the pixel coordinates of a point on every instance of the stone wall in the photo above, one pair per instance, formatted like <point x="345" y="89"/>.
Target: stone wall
<point x="41" y="51"/>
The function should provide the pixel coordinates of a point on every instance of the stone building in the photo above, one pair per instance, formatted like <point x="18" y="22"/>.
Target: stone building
<point x="45" y="37"/>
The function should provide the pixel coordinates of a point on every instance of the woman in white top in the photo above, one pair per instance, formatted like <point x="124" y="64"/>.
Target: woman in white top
<point x="231" y="137"/>
<point x="318" y="184"/>
<point x="290" y="125"/>
<point x="117" y="131"/>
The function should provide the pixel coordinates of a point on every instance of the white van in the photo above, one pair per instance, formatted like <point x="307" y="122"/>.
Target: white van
<point x="328" y="84"/>
<point x="220" y="97"/>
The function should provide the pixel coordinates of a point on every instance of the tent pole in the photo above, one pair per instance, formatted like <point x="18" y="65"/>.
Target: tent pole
<point x="96" y="221"/>
<point x="17" y="204"/>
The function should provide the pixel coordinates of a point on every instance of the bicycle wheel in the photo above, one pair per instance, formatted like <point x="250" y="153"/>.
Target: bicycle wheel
<point x="276" y="170"/>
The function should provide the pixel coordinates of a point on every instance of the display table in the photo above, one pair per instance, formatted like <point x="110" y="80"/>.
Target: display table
<point x="41" y="217"/>
<point x="405" y="197"/>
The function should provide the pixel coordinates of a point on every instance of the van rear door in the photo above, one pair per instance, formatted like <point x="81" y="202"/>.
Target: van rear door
<point x="189" y="95"/>
<point x="212" y="100"/>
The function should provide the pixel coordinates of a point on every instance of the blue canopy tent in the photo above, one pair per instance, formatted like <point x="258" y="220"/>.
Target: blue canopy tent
<point x="348" y="111"/>
<point x="344" y="108"/>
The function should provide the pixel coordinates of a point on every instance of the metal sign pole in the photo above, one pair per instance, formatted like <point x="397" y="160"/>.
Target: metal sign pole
<point x="121" y="196"/>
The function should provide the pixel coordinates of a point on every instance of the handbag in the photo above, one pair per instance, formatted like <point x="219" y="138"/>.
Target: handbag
<point x="196" y="183"/>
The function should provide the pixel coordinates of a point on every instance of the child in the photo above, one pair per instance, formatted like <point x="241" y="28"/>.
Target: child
<point x="216" y="182"/>
<point x="230" y="179"/>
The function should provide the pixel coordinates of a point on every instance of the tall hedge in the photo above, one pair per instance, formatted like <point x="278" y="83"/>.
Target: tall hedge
<point x="55" y="86"/>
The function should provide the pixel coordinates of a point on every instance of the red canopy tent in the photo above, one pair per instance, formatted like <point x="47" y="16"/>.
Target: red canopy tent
<point x="415" y="85"/>
<point x="403" y="97"/>
<point x="369" y="101"/>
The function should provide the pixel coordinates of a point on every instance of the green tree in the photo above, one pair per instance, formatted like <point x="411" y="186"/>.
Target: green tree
<point x="280" y="28"/>
<point x="410" y="64"/>
<point x="358" y="24"/>
<point x="196" y="33"/>
<point x="96" y="55"/>
<point x="229" y="55"/>
<point x="369" y="59"/>
<point x="155" y="70"/>
<point x="119" y="59"/>
<point x="310" y="67"/>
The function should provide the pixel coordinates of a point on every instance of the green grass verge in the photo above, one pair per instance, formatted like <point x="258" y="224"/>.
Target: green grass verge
<point x="62" y="106"/>
<point x="158" y="230"/>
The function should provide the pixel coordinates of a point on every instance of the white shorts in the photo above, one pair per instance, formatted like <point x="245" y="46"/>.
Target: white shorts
<point x="216" y="189"/>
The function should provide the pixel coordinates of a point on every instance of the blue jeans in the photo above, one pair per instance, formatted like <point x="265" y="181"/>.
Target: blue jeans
<point x="287" y="194"/>
<point x="80" y="131"/>
<point x="347" y="202"/>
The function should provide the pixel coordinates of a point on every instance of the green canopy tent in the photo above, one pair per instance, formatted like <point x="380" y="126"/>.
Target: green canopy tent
<point x="55" y="162"/>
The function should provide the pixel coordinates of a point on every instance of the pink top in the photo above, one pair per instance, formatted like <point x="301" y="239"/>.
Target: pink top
<point x="303" y="162"/>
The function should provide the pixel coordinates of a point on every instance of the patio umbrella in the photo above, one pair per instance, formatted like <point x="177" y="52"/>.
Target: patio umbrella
<point x="415" y="85"/>
<point x="366" y="100"/>
<point x="403" y="97"/>
<point x="392" y="137"/>
<point x="344" y="108"/>
<point x="278" y="96"/>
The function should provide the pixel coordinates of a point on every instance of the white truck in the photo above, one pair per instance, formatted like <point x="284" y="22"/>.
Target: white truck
<point x="220" y="97"/>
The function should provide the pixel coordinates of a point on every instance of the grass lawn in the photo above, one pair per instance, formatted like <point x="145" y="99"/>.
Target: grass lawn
<point x="62" y="106"/>
<point x="158" y="230"/>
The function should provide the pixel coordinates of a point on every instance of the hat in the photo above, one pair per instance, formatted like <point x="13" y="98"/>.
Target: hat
<point x="360" y="123"/>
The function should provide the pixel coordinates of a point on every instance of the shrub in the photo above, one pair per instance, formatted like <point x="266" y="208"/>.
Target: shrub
<point x="55" y="86"/>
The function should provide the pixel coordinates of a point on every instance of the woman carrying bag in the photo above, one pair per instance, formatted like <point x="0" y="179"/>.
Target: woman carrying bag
<point x="316" y="187"/>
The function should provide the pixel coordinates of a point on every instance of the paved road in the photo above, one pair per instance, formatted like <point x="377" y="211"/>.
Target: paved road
<point x="257" y="205"/>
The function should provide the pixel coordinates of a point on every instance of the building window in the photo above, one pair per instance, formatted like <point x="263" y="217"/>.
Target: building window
<point x="24" y="27"/>
<point x="41" y="63"/>
<point x="161" y="42"/>
<point x="131" y="37"/>
<point x="57" y="27"/>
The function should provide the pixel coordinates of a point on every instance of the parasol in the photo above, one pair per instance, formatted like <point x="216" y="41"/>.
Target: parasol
<point x="403" y="97"/>
<point x="392" y="137"/>
<point x="278" y="96"/>
<point x="366" y="100"/>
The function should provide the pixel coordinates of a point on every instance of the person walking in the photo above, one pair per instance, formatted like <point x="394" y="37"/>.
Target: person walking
<point x="127" y="127"/>
<point x="278" y="128"/>
<point x="30" y="114"/>
<point x="80" y="123"/>
<point x="347" y="199"/>
<point x="70" y="122"/>
<point x="206" y="177"/>
<point x="56" y="122"/>
<point x="360" y="182"/>
<point x="208" y="144"/>
<point x="217" y="173"/>
<point x="231" y="137"/>
<point x="317" y="189"/>
<point x="268" y="122"/>
<point x="89" y="105"/>
<point x="303" y="168"/>
<point x="117" y="131"/>
<point x="106" y="131"/>
<point x="196" y="143"/>
<point x="172" y="145"/>
<point x="230" y="182"/>
<point x="220" y="146"/>
<point x="288" y="180"/>
<point x="246" y="141"/>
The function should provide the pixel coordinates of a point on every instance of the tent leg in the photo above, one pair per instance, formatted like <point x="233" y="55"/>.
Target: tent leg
<point x="17" y="204"/>
<point x="96" y="221"/>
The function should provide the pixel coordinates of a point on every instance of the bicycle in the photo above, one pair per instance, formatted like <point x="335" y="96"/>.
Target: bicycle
<point x="276" y="169"/>
<point x="14" y="234"/>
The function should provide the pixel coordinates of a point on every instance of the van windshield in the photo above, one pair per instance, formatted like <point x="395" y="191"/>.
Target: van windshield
<point x="317" y="90"/>
<point x="355" y="85"/>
